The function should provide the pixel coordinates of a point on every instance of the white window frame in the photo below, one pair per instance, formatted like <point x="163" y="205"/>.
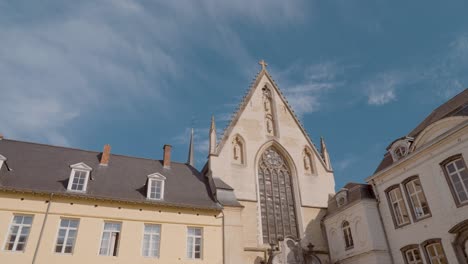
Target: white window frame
<point x="415" y="196"/>
<point x="347" y="235"/>
<point x="110" y="248"/>
<point x="154" y="241"/>
<point x="437" y="257"/>
<point x="456" y="173"/>
<point x="400" y="204"/>
<point x="18" y="233"/>
<point x="193" y="239"/>
<point x="79" y="167"/>
<point x="67" y="237"/>
<point x="152" y="179"/>
<point x="411" y="252"/>
<point x="2" y="160"/>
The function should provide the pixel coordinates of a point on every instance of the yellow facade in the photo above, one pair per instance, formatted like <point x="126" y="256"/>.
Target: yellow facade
<point x="92" y="215"/>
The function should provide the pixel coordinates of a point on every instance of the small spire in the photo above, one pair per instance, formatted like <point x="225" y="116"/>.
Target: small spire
<point x="212" y="136"/>
<point x="325" y="155"/>
<point x="213" y="126"/>
<point x="263" y="64"/>
<point x="190" y="159"/>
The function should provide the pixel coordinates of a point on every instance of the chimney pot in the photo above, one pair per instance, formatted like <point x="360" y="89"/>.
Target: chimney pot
<point x="167" y="156"/>
<point x="105" y="155"/>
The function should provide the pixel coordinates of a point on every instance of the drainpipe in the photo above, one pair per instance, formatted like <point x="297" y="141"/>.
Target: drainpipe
<point x="374" y="186"/>
<point x="42" y="229"/>
<point x="223" y="236"/>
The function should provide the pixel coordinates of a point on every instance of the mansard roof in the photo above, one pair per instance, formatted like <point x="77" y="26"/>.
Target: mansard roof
<point x="355" y="192"/>
<point x="457" y="106"/>
<point x="45" y="169"/>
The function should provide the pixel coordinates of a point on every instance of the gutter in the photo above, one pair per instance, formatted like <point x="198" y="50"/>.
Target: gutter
<point x="42" y="229"/>
<point x="374" y="186"/>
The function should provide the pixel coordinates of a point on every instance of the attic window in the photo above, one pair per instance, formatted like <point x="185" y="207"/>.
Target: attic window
<point x="155" y="187"/>
<point x="79" y="177"/>
<point x="342" y="197"/>
<point x="2" y="160"/>
<point x="400" y="149"/>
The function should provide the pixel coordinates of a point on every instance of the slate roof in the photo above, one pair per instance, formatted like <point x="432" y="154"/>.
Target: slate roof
<point x="356" y="192"/>
<point x="46" y="169"/>
<point x="457" y="106"/>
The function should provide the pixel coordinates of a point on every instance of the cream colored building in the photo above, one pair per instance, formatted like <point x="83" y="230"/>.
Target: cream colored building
<point x="420" y="198"/>
<point x="422" y="188"/>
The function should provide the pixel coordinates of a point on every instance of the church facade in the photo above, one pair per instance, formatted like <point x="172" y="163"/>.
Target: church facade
<point x="280" y="182"/>
<point x="265" y="195"/>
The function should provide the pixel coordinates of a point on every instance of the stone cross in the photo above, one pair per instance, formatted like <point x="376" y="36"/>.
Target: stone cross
<point x="263" y="63"/>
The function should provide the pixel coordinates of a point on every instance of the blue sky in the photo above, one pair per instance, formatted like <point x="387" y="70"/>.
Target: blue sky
<point x="139" y="74"/>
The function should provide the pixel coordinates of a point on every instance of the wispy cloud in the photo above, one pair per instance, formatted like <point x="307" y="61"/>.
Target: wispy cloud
<point x="60" y="67"/>
<point x="382" y="89"/>
<point x="304" y="86"/>
<point x="345" y="163"/>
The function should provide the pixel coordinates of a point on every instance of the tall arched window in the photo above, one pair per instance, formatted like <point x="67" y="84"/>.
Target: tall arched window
<point x="276" y="197"/>
<point x="348" y="237"/>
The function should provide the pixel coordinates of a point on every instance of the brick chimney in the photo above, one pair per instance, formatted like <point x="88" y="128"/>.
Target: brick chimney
<point x="105" y="155"/>
<point x="1" y="136"/>
<point x="167" y="156"/>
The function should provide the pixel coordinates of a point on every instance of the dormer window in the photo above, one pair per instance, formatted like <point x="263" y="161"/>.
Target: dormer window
<point x="342" y="197"/>
<point x="2" y="160"/>
<point x="79" y="177"/>
<point x="400" y="148"/>
<point x="155" y="187"/>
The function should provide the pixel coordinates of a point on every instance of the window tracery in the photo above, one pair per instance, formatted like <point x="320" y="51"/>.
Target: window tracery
<point x="277" y="207"/>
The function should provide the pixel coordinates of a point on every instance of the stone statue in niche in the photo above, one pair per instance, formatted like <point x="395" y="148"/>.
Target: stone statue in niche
<point x="237" y="151"/>
<point x="307" y="161"/>
<point x="267" y="100"/>
<point x="269" y="125"/>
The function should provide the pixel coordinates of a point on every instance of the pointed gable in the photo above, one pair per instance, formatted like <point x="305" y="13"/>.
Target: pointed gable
<point x="263" y="73"/>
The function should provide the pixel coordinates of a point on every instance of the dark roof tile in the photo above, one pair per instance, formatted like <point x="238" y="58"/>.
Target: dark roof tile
<point x="45" y="168"/>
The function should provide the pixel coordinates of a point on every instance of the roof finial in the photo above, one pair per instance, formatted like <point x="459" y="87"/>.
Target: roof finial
<point x="263" y="63"/>
<point x="190" y="159"/>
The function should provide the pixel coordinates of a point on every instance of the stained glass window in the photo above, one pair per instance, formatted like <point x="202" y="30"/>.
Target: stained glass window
<point x="278" y="214"/>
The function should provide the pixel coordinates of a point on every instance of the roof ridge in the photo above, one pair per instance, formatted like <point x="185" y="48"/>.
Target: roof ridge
<point x="90" y="151"/>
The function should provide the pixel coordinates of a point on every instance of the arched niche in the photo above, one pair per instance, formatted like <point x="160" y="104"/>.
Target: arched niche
<point x="238" y="150"/>
<point x="307" y="161"/>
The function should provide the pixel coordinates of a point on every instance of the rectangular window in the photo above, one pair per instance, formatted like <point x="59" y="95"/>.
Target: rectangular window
<point x="110" y="239"/>
<point x="19" y="232"/>
<point x="194" y="242"/>
<point x="417" y="199"/>
<point x="155" y="191"/>
<point x="413" y="256"/>
<point x="66" y="236"/>
<point x="79" y="181"/>
<point x="458" y="175"/>
<point x="398" y="207"/>
<point x="151" y="240"/>
<point x="436" y="254"/>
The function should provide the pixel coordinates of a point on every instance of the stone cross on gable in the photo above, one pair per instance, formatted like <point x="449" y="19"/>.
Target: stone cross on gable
<point x="263" y="63"/>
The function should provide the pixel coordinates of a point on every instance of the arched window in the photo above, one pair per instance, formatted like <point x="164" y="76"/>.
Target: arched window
<point x="348" y="237"/>
<point x="276" y="197"/>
